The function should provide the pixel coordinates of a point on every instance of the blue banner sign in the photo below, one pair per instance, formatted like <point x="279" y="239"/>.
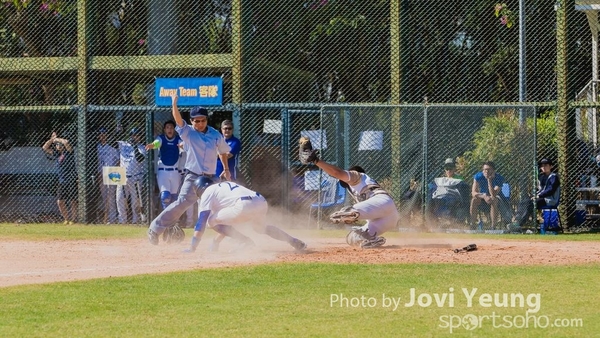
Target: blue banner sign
<point x="194" y="91"/>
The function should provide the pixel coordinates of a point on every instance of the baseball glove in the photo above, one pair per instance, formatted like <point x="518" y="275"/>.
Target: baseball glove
<point x="306" y="153"/>
<point x="174" y="235"/>
<point x="347" y="215"/>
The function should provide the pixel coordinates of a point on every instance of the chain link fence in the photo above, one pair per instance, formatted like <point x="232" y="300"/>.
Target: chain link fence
<point x="424" y="80"/>
<point x="405" y="148"/>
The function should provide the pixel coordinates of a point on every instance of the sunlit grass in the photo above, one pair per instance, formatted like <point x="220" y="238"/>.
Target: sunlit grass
<point x="290" y="300"/>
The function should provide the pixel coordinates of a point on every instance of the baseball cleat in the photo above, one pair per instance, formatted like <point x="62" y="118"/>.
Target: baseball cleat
<point x="372" y="243"/>
<point x="353" y="238"/>
<point x="152" y="237"/>
<point x="214" y="246"/>
<point x="298" y="244"/>
<point x="243" y="246"/>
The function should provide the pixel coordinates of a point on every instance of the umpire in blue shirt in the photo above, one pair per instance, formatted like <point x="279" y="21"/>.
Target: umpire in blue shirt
<point x="202" y="143"/>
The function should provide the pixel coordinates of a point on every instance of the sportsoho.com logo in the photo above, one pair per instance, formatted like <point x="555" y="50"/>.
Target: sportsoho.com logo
<point x="471" y="322"/>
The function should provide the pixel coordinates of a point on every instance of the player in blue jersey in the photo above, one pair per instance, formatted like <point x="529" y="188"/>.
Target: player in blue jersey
<point x="236" y="147"/>
<point x="203" y="146"/>
<point x="167" y="175"/>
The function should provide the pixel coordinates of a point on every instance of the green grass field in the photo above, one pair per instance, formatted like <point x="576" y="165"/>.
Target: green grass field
<point x="308" y="299"/>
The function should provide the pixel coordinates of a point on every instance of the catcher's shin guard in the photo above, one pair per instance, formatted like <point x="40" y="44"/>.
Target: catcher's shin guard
<point x="346" y="215"/>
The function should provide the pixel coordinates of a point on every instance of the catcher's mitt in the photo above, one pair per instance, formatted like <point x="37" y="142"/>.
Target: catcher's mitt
<point x="306" y="153"/>
<point x="174" y="235"/>
<point x="347" y="215"/>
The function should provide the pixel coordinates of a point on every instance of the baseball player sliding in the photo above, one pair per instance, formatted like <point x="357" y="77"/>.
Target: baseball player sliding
<point x="225" y="205"/>
<point x="373" y="203"/>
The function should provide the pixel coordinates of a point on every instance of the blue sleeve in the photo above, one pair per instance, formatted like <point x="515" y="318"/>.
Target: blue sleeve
<point x="202" y="220"/>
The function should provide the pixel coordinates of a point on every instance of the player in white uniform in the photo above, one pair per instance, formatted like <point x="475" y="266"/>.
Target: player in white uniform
<point x="132" y="158"/>
<point x="167" y="175"/>
<point x="372" y="203"/>
<point x="227" y="204"/>
<point x="108" y="156"/>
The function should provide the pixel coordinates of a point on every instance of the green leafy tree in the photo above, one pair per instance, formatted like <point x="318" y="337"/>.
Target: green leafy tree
<point x="505" y="141"/>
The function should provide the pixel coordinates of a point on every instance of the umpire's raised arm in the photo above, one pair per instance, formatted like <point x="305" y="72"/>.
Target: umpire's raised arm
<point x="175" y="111"/>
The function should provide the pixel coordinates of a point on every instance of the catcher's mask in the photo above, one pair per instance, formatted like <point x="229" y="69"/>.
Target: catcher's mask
<point x="202" y="183"/>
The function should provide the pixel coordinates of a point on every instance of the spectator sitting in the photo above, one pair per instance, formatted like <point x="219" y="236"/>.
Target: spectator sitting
<point x="450" y="169"/>
<point x="449" y="193"/>
<point x="487" y="186"/>
<point x="411" y="200"/>
<point x="548" y="194"/>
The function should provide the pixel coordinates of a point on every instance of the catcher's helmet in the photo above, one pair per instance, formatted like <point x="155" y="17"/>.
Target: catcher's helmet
<point x="202" y="183"/>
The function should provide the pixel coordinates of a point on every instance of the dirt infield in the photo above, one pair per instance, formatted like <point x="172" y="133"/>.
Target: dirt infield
<point x="25" y="262"/>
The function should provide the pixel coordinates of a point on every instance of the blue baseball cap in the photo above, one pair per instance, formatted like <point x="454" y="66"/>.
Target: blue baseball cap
<point x="102" y="130"/>
<point x="135" y="131"/>
<point x="198" y="111"/>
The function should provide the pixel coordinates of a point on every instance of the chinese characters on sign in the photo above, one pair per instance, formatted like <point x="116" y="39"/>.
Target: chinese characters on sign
<point x="206" y="91"/>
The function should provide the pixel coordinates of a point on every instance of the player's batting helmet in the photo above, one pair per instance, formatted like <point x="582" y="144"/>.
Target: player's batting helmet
<point x="202" y="183"/>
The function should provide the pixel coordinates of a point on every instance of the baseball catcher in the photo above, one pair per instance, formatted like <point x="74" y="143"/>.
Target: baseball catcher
<point x="372" y="204"/>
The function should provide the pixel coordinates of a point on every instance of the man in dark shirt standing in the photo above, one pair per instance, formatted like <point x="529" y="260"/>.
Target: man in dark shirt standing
<point x="61" y="150"/>
<point x="548" y="186"/>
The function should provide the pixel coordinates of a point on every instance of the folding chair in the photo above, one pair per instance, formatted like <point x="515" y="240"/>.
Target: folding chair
<point x="505" y="211"/>
<point x="551" y="218"/>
